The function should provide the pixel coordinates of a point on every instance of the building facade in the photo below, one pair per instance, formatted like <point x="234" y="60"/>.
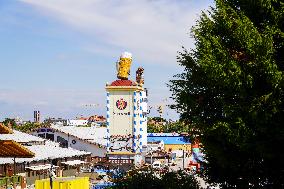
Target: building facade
<point x="126" y="119"/>
<point x="89" y="139"/>
<point x="173" y="143"/>
<point x="36" y="116"/>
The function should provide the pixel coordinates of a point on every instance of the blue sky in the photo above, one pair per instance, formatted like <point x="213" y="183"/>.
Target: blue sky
<point x="57" y="55"/>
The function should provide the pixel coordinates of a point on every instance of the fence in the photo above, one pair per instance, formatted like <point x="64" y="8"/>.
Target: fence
<point x="8" y="182"/>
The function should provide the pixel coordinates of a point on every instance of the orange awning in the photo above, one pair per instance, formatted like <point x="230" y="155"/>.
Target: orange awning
<point x="12" y="149"/>
<point x="5" y="130"/>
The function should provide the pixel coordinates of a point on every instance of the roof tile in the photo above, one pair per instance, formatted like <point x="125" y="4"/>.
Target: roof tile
<point x="123" y="83"/>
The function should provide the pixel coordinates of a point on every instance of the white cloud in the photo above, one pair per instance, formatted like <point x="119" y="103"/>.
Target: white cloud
<point x="152" y="30"/>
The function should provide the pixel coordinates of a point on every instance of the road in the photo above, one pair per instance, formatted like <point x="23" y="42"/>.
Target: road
<point x="179" y="165"/>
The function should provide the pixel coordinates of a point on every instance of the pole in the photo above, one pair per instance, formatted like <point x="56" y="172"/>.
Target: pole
<point x="183" y="159"/>
<point x="151" y="151"/>
<point x="50" y="175"/>
<point x="151" y="160"/>
<point x="14" y="184"/>
<point x="14" y="166"/>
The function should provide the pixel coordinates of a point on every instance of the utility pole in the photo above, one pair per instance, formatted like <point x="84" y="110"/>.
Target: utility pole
<point x="183" y="159"/>
<point x="151" y="159"/>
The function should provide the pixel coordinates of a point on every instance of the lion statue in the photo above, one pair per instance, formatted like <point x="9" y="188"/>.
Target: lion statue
<point x="140" y="76"/>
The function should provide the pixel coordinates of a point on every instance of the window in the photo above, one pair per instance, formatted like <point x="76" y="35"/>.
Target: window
<point x="62" y="141"/>
<point x="49" y="130"/>
<point x="50" y="136"/>
<point x="41" y="135"/>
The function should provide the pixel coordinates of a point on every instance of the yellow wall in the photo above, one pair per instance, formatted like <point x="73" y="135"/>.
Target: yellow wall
<point x="185" y="147"/>
<point x="64" y="183"/>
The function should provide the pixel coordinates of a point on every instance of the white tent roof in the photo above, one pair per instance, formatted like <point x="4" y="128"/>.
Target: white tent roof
<point x="50" y="150"/>
<point x="21" y="137"/>
<point x="41" y="167"/>
<point x="96" y="135"/>
<point x="73" y="162"/>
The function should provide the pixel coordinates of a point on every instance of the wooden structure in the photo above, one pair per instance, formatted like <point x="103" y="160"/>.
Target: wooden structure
<point x="10" y="148"/>
<point x="5" y="130"/>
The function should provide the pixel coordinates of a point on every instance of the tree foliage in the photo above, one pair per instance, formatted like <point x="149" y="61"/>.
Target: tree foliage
<point x="148" y="179"/>
<point x="10" y="122"/>
<point x="231" y="92"/>
<point x="28" y="127"/>
<point x="25" y="127"/>
<point x="160" y="125"/>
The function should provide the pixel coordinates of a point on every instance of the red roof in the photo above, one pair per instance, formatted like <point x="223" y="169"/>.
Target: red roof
<point x="122" y="83"/>
<point x="82" y="118"/>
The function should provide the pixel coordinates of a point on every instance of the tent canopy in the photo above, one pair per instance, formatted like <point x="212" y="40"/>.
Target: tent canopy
<point x="41" y="167"/>
<point x="73" y="162"/>
<point x="5" y="130"/>
<point x="10" y="148"/>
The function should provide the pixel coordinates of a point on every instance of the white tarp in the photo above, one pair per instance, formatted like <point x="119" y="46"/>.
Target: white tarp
<point x="73" y="162"/>
<point x="40" y="167"/>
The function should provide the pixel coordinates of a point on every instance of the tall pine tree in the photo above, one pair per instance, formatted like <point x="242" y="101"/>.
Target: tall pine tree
<point x="231" y="92"/>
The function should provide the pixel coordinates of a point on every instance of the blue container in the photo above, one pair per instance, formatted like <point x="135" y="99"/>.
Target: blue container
<point x="102" y="185"/>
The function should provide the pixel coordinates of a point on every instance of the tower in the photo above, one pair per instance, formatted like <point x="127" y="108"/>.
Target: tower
<point x="36" y="116"/>
<point x="126" y="116"/>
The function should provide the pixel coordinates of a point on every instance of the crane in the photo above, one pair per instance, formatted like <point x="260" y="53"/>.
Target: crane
<point x="160" y="107"/>
<point x="91" y="105"/>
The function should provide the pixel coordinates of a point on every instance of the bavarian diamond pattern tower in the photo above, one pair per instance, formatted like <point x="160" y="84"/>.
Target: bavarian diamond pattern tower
<point x="126" y="117"/>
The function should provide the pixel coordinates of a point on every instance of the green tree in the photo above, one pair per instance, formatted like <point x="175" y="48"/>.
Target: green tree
<point x="152" y="128"/>
<point x="177" y="127"/>
<point x="231" y="92"/>
<point x="158" y="119"/>
<point x="10" y="122"/>
<point x="155" y="124"/>
<point x="26" y="127"/>
<point x="160" y="125"/>
<point x="148" y="179"/>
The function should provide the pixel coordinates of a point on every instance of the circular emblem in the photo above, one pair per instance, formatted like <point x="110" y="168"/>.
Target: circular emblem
<point x="121" y="104"/>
